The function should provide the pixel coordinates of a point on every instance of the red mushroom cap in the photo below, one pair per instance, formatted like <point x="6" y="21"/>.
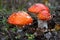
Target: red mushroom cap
<point x="36" y="8"/>
<point x="44" y="15"/>
<point x="20" y="18"/>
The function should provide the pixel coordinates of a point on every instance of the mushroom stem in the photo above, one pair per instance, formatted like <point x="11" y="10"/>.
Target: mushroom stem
<point x="42" y="24"/>
<point x="19" y="28"/>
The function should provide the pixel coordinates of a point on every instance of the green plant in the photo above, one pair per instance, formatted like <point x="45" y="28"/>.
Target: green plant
<point x="30" y="36"/>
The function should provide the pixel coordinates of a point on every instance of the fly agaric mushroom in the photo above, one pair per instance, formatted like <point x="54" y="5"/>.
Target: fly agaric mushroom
<point x="36" y="8"/>
<point x="43" y="14"/>
<point x="41" y="10"/>
<point x="20" y="18"/>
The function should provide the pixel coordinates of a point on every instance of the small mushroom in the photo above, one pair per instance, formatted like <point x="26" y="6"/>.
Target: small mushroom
<point x="44" y="15"/>
<point x="38" y="7"/>
<point x="20" y="18"/>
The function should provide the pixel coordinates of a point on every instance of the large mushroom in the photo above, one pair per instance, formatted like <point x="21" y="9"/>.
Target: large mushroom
<point x="42" y="12"/>
<point x="20" y="18"/>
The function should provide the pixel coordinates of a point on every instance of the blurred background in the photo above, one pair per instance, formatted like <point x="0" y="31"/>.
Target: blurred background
<point x="7" y="31"/>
